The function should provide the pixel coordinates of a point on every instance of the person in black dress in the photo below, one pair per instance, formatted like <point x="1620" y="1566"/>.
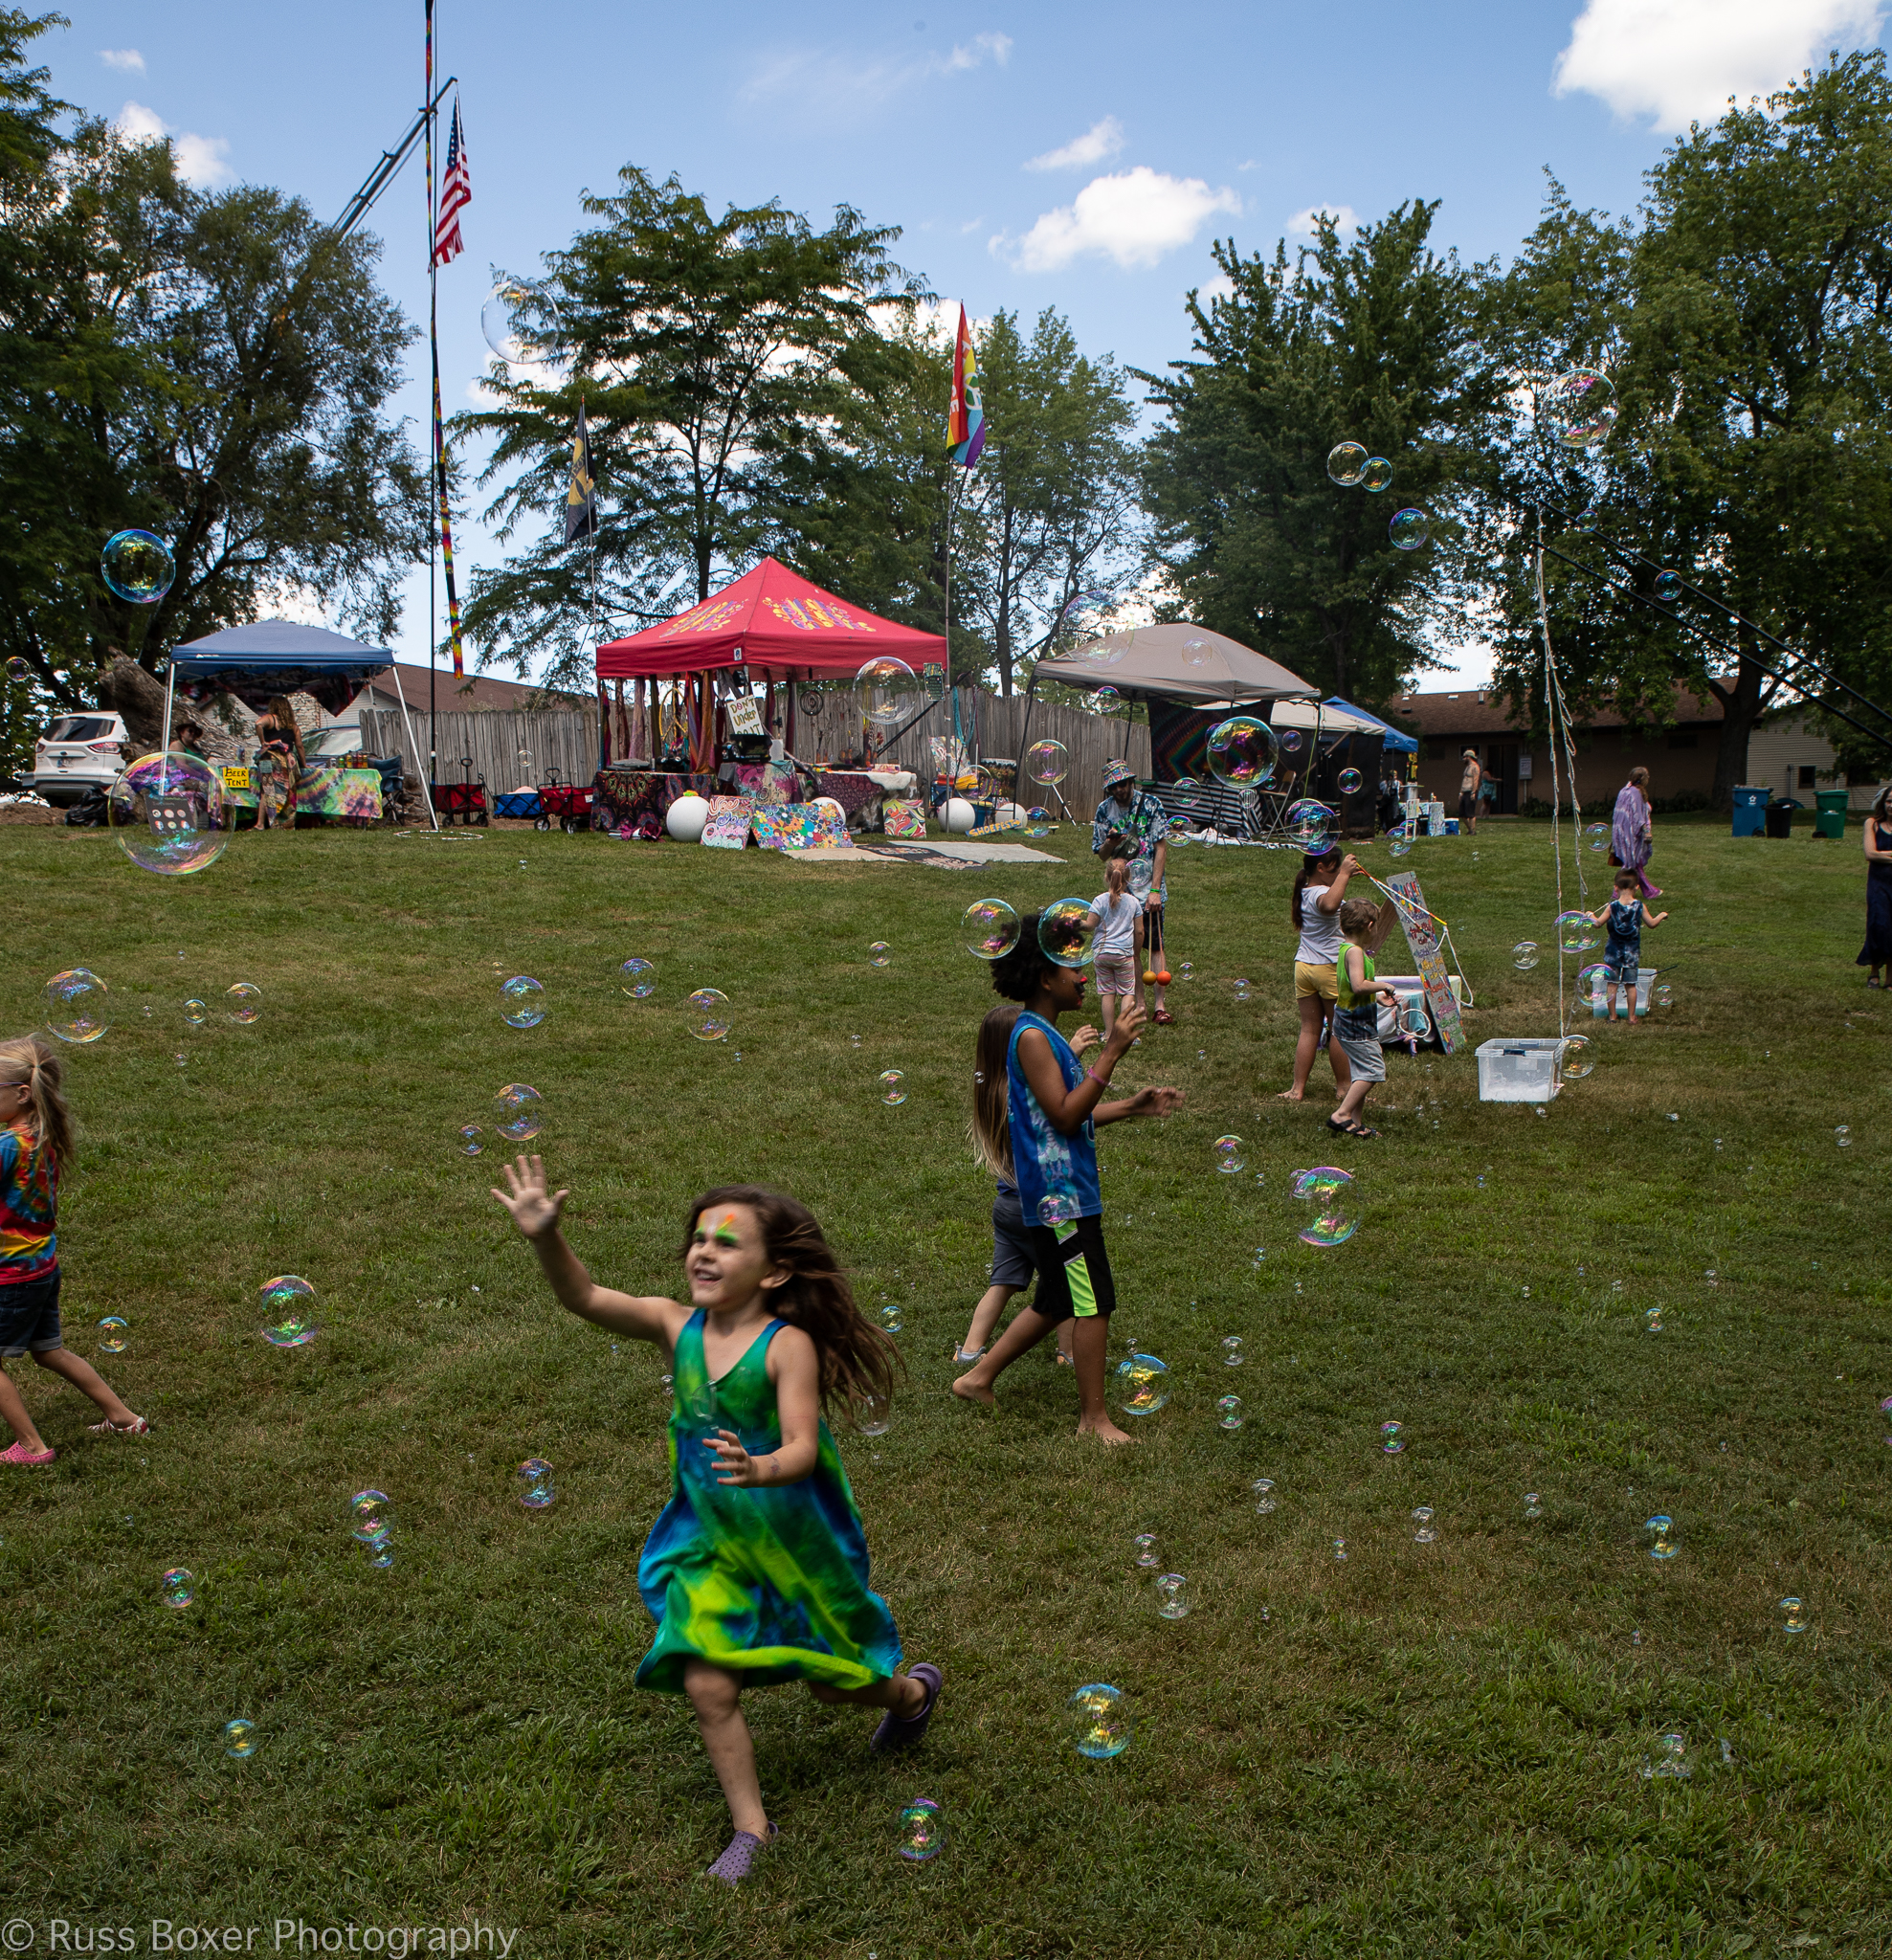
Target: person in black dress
<point x="1877" y="953"/>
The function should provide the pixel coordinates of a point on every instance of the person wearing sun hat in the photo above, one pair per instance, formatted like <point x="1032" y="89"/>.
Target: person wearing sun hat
<point x="1131" y="824"/>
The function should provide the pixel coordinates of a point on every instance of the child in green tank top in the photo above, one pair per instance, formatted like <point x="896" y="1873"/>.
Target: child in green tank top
<point x="1363" y="929"/>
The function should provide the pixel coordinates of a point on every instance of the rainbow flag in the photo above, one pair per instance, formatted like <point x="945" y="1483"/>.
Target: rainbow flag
<point x="966" y="424"/>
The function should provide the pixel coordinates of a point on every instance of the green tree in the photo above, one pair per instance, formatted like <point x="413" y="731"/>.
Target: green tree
<point x="208" y="367"/>
<point x="704" y="349"/>
<point x="1376" y="341"/>
<point x="1744" y="318"/>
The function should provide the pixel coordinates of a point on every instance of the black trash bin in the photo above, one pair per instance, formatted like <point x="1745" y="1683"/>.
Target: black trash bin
<point x="1780" y="818"/>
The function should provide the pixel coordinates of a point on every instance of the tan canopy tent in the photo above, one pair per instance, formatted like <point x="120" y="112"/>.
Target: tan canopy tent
<point x="1180" y="662"/>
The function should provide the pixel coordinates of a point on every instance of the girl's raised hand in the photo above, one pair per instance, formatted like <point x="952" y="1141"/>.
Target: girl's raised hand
<point x="535" y="1210"/>
<point x="1084" y="1039"/>
<point x="1155" y="1102"/>
<point x="736" y="1463"/>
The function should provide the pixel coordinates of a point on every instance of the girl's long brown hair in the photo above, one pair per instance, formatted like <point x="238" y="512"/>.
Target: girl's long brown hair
<point x="1328" y="861"/>
<point x="856" y="1359"/>
<point x="284" y="717"/>
<point x="991" y="1125"/>
<point x="27" y="1058"/>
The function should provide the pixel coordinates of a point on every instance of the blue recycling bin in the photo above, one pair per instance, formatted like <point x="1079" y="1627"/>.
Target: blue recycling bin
<point x="1751" y="811"/>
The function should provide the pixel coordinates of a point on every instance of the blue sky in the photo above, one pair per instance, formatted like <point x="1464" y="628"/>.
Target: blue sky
<point x="1075" y="156"/>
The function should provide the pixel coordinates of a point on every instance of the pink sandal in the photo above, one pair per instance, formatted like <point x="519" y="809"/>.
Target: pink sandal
<point x="136" y="1426"/>
<point x="20" y="1454"/>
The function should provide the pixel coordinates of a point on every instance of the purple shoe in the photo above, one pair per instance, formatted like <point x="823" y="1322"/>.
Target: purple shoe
<point x="903" y="1732"/>
<point x="739" y="1857"/>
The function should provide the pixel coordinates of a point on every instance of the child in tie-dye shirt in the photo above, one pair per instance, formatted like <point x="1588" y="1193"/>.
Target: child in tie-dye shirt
<point x="35" y="1139"/>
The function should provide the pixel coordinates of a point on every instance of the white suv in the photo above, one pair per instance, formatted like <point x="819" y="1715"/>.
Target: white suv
<point x="77" y="754"/>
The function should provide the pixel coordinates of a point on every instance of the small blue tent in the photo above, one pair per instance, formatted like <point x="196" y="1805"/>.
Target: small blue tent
<point x="1392" y="737"/>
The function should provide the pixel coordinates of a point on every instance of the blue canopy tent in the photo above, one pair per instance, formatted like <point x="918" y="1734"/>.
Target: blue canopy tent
<point x="278" y="657"/>
<point x="1392" y="737"/>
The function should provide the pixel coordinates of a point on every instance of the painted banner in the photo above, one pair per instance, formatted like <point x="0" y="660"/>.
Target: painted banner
<point x="728" y="827"/>
<point x="1422" y="938"/>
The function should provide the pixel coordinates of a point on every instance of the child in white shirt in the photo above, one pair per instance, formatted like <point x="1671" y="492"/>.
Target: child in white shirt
<point x="1115" y="917"/>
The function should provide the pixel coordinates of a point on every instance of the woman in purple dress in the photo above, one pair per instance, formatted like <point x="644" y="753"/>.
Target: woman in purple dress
<point x="1631" y="838"/>
<point x="1877" y="953"/>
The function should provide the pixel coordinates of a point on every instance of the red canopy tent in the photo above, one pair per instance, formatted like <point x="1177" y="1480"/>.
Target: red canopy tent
<point x="771" y="623"/>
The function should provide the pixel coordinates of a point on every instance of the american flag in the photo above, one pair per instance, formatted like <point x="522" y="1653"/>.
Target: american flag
<point x="455" y="194"/>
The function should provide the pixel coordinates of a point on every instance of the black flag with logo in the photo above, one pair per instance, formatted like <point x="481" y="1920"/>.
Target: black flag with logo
<point x="581" y="496"/>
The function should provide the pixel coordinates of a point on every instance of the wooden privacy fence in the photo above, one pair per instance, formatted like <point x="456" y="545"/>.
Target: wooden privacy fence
<point x="999" y="724"/>
<point x="561" y="739"/>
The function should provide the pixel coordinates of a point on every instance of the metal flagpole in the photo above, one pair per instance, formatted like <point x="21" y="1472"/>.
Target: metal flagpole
<point x="433" y="345"/>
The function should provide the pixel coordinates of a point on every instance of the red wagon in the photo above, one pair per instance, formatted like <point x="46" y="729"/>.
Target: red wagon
<point x="465" y="800"/>
<point x="568" y="803"/>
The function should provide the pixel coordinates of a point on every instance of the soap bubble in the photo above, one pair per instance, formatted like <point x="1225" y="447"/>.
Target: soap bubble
<point x="76" y="1009"/>
<point x="922" y="1832"/>
<point x="893" y="1317"/>
<point x="137" y="566"/>
<point x="1037" y="821"/>
<point x="168" y="814"/>
<point x="1409" y="529"/>
<point x="379" y="1553"/>
<point x="243" y="998"/>
<point x="370" y="1516"/>
<point x="1792" y="1616"/>
<point x="1413" y="1020"/>
<point x="1105" y="701"/>
<point x="1580" y="408"/>
<point x="1064" y="935"/>
<point x="1659" y="1528"/>
<point x="1229" y="1158"/>
<point x="1232" y="1354"/>
<point x="1350" y="781"/>
<point x="1576" y="1058"/>
<point x="179" y="1589"/>
<point x="1241" y="999"/>
<point x="1339" y="1551"/>
<point x="196" y="1011"/>
<point x="1375" y="474"/>
<point x="880" y="953"/>
<point x="1393" y="1437"/>
<point x="1057" y="1208"/>
<point x="1308" y="822"/>
<point x="1344" y="462"/>
<point x="1663" y="995"/>
<point x="1328" y="1188"/>
<point x="470" y="1140"/>
<point x="1525" y="955"/>
<point x="1241" y="752"/>
<point x="1671" y="1755"/>
<point x="1652" y="1319"/>
<point x="709" y="1014"/>
<point x="637" y="978"/>
<point x="1533" y="1504"/>
<point x="1098" y="1725"/>
<point x="893" y="1087"/>
<point x="990" y="927"/>
<point x="523" y="1002"/>
<point x="239" y="1738"/>
<point x="1196" y="652"/>
<point x="17" y="670"/>
<point x="1172" y="1596"/>
<point x="1576" y="932"/>
<point x="1399" y="840"/>
<point x="1263" y="1488"/>
<point x="1590" y="980"/>
<point x="1885" y="1410"/>
<point x="111" y="1334"/>
<point x="1046" y="762"/>
<point x="1843" y="1136"/>
<point x="1668" y="587"/>
<point x="1597" y="837"/>
<point x="1319" y="1183"/>
<point x="1227" y="1412"/>
<point x="887" y="691"/>
<point x="1146" y="1544"/>
<point x="1290" y="741"/>
<point x="875" y="1416"/>
<point x="535" y="1481"/>
<point x="1142" y="1384"/>
<point x="524" y="1109"/>
<point x="287" y="1304"/>
<point x="1422" y="1516"/>
<point x="505" y="321"/>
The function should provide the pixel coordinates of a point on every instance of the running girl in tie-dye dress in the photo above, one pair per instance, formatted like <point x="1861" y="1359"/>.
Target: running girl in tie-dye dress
<point x="756" y="1571"/>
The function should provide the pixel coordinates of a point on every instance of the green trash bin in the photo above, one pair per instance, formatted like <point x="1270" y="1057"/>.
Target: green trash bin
<point x="1831" y="822"/>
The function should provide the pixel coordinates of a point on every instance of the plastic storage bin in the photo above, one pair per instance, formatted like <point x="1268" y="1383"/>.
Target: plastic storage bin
<point x="1751" y="806"/>
<point x="1520" y="1071"/>
<point x="1831" y="822"/>
<point x="1599" y="993"/>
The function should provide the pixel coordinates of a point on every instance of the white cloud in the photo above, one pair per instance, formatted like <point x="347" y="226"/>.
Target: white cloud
<point x="1302" y="224"/>
<point x="127" y="59"/>
<point x="1100" y="139"/>
<point x="1220" y="288"/>
<point x="1134" y="217"/>
<point x="1674" y="62"/>
<point x="201" y="160"/>
<point x="812" y="78"/>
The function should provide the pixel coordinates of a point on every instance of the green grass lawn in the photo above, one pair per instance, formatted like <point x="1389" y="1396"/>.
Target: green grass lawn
<point x="1427" y="1749"/>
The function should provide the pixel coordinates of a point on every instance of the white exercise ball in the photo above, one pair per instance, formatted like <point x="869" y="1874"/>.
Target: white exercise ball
<point x="685" y="818"/>
<point x="960" y="815"/>
<point x="828" y="803"/>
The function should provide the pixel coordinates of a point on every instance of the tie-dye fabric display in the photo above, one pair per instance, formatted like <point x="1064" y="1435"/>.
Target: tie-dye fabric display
<point x="904" y="819"/>
<point x="771" y="1584"/>
<point x="728" y="826"/>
